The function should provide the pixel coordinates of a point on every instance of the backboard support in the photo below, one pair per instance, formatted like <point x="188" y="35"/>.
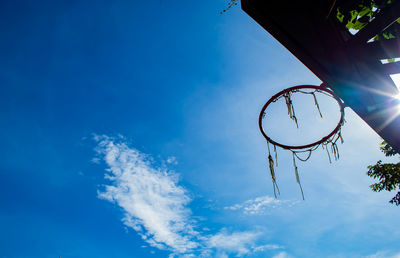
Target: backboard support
<point x="347" y="63"/>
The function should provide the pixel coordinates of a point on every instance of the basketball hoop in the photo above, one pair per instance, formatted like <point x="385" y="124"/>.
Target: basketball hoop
<point x="327" y="142"/>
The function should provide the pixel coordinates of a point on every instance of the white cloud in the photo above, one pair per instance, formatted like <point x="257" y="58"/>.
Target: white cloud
<point x="96" y="160"/>
<point x="152" y="202"/>
<point x="156" y="207"/>
<point x="282" y="255"/>
<point x="258" y="205"/>
<point x="263" y="248"/>
<point x="384" y="254"/>
<point x="172" y="160"/>
<point x="237" y="242"/>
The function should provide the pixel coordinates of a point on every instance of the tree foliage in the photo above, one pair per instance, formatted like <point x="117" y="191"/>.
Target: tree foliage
<point x="388" y="174"/>
<point x="355" y="15"/>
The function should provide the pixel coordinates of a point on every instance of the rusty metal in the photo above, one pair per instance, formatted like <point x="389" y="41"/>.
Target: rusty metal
<point x="341" y="60"/>
<point x="294" y="89"/>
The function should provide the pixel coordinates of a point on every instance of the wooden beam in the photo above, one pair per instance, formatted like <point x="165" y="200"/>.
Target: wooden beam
<point x="384" y="19"/>
<point x="391" y="68"/>
<point x="378" y="50"/>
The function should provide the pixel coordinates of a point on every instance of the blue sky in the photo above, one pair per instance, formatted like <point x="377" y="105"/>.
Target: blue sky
<point x="129" y="129"/>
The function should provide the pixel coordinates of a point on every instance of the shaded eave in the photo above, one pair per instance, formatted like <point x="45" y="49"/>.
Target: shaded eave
<point x="349" y="65"/>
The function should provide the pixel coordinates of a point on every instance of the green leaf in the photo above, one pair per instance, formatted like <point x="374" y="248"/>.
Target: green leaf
<point x="339" y="15"/>
<point x="365" y="11"/>
<point x="387" y="149"/>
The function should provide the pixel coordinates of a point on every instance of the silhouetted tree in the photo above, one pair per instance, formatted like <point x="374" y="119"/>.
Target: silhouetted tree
<point x="388" y="174"/>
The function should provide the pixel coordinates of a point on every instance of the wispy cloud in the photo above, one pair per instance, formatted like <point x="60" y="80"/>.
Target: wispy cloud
<point x="259" y="205"/>
<point x="263" y="248"/>
<point x="240" y="243"/>
<point x="156" y="206"/>
<point x="282" y="255"/>
<point x="384" y="254"/>
<point x="153" y="203"/>
<point x="172" y="160"/>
